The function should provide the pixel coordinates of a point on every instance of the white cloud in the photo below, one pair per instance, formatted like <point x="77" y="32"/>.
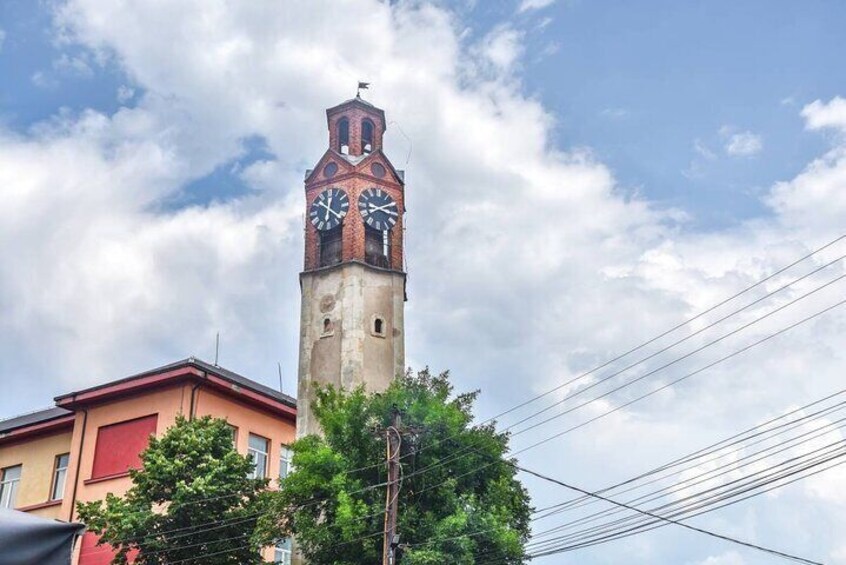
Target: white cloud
<point x="73" y="65"/>
<point x="703" y="151"/>
<point x="529" y="263"/>
<point x="43" y="80"/>
<point x="743" y="144"/>
<point x="125" y="93"/>
<point x="501" y="47"/>
<point x="819" y="115"/>
<point x="2" y="39"/>
<point x="528" y="5"/>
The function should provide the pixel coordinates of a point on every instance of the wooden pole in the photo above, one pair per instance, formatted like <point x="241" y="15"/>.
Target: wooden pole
<point x="392" y="500"/>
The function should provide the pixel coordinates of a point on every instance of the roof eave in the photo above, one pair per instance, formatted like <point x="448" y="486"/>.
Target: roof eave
<point x="188" y="370"/>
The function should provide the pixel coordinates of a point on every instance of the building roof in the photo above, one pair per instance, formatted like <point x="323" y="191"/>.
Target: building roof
<point x="32" y="418"/>
<point x="190" y="368"/>
<point x="244" y="381"/>
<point x="358" y="101"/>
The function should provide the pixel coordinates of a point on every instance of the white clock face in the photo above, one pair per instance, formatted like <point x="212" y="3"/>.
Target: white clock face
<point x="378" y="209"/>
<point x="329" y="208"/>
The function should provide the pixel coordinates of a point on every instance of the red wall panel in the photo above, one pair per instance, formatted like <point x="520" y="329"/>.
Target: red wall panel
<point x="92" y="554"/>
<point x="119" y="446"/>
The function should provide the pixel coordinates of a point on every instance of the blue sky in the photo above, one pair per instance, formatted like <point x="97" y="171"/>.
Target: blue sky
<point x="581" y="176"/>
<point x="641" y="85"/>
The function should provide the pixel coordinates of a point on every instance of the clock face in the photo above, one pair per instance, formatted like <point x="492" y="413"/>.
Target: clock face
<point x="329" y="208"/>
<point x="378" y="209"/>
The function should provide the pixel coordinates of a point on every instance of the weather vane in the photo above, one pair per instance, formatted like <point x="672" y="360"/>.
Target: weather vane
<point x="361" y="86"/>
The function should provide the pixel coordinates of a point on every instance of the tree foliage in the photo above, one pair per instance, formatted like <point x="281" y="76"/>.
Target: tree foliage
<point x="191" y="499"/>
<point x="466" y="507"/>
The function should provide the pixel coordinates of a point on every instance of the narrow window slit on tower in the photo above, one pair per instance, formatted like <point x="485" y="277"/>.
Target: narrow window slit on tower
<point x="344" y="136"/>
<point x="379" y="326"/>
<point x="366" y="136"/>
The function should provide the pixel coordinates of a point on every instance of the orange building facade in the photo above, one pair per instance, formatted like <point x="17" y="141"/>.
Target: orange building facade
<point x="83" y="448"/>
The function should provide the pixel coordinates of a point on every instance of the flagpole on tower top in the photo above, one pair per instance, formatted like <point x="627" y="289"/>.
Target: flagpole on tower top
<point x="361" y="86"/>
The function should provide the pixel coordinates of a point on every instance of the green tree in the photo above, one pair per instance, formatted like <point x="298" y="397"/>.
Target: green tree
<point x="460" y="502"/>
<point x="192" y="500"/>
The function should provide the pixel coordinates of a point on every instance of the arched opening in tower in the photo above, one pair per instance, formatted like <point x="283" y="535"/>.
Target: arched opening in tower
<point x="344" y="136"/>
<point x="366" y="136"/>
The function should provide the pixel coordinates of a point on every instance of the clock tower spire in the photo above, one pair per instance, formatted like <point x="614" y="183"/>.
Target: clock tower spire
<point x="353" y="282"/>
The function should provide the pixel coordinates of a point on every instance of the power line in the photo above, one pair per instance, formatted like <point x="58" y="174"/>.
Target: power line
<point x="584" y="501"/>
<point x="676" y="486"/>
<point x="642" y="345"/>
<point x="691" y="336"/>
<point x="616" y="524"/>
<point x="465" y="449"/>
<point x="671" y="521"/>
<point x="737" y="352"/>
<point x="676" y="360"/>
<point x="647" y="527"/>
<point x="642" y="397"/>
<point x="687" y="376"/>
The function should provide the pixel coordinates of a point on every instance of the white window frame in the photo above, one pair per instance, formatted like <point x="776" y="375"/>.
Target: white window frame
<point x="283" y="552"/>
<point x="258" y="455"/>
<point x="9" y="487"/>
<point x="60" y="476"/>
<point x="285" y="457"/>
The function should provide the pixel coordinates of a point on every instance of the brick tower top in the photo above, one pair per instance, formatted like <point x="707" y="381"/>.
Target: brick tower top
<point x="354" y="195"/>
<point x="356" y="127"/>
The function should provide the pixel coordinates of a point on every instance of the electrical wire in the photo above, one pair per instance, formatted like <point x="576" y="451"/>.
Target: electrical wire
<point x="642" y="345"/>
<point x="685" y="483"/>
<point x="644" y="396"/>
<point x="672" y="521"/>
<point x="468" y="448"/>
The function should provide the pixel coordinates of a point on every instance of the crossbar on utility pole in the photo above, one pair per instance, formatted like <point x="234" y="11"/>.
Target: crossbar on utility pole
<point x="394" y="439"/>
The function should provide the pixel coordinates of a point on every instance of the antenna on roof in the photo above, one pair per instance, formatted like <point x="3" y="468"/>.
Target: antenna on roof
<point x="278" y="364"/>
<point x="216" y="348"/>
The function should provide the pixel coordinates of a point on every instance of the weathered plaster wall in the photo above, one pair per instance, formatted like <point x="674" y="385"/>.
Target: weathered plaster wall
<point x="349" y="354"/>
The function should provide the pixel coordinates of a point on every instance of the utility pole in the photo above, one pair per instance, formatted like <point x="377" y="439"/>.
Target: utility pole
<point x="394" y="441"/>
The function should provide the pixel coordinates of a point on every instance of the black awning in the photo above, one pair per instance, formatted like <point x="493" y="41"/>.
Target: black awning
<point x="26" y="539"/>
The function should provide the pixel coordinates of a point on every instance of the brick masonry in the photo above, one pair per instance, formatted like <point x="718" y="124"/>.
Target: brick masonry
<point x="354" y="175"/>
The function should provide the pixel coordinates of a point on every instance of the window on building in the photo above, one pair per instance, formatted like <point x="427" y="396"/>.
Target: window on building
<point x="330" y="246"/>
<point x="60" y="473"/>
<point x="282" y="552"/>
<point x="344" y="136"/>
<point x="10" y="479"/>
<point x="119" y="446"/>
<point x="285" y="455"/>
<point x="377" y="247"/>
<point x="366" y="136"/>
<point x="379" y="326"/>
<point x="258" y="450"/>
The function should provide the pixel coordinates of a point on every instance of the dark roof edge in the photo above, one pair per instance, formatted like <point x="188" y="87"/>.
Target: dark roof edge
<point x="33" y="418"/>
<point x="357" y="101"/>
<point x="226" y="374"/>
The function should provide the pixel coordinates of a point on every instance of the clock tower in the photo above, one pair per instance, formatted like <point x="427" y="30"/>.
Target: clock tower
<point x="353" y="281"/>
